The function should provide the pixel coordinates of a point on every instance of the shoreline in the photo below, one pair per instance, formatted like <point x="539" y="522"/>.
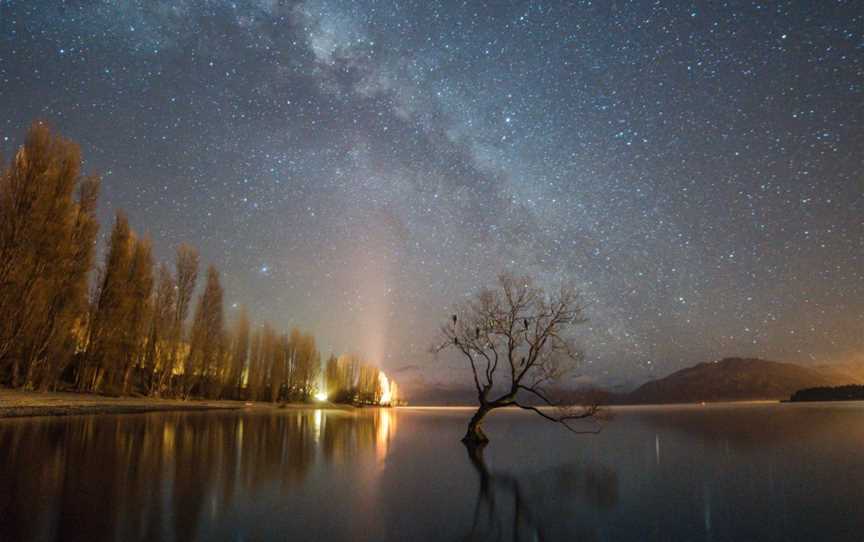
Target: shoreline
<point x="26" y="404"/>
<point x="616" y="406"/>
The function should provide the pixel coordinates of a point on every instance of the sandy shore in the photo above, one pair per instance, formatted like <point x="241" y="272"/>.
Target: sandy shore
<point x="17" y="403"/>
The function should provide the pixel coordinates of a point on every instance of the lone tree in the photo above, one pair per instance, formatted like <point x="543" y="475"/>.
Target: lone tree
<point x="515" y="339"/>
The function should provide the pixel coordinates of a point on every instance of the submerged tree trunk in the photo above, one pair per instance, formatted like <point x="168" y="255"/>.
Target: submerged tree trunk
<point x="474" y="435"/>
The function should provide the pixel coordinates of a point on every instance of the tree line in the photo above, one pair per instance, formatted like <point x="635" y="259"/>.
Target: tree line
<point x="348" y="380"/>
<point x="128" y="326"/>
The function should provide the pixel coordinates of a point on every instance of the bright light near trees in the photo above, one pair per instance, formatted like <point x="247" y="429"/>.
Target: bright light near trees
<point x="321" y="396"/>
<point x="384" y="383"/>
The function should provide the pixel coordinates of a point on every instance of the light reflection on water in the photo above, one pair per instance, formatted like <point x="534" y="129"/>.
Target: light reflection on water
<point x="754" y="472"/>
<point x="152" y="475"/>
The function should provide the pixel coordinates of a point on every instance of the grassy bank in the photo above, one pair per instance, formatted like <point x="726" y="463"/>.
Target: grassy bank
<point x="18" y="403"/>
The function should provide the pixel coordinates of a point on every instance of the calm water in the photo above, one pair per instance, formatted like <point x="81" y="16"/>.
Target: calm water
<point x="747" y="472"/>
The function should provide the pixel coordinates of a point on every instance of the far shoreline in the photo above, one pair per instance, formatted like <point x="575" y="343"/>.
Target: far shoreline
<point x="27" y="404"/>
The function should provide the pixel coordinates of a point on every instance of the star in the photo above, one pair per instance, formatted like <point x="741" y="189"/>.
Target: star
<point x="672" y="163"/>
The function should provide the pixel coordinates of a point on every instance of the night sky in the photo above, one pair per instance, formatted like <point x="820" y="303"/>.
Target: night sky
<point x="355" y="167"/>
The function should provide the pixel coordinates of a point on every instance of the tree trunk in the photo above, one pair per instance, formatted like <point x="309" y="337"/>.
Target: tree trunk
<point x="98" y="376"/>
<point x="16" y="372"/>
<point x="475" y="435"/>
<point x="127" y="380"/>
<point x="30" y="379"/>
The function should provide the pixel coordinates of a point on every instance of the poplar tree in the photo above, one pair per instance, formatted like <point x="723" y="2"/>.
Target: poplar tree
<point x="367" y="384"/>
<point x="157" y="361"/>
<point x="109" y="308"/>
<point x="205" y="349"/>
<point x="305" y="366"/>
<point x="255" y="378"/>
<point x="239" y="352"/>
<point x="341" y="378"/>
<point x="186" y="277"/>
<point x="273" y="368"/>
<point x="47" y="228"/>
<point x="139" y="288"/>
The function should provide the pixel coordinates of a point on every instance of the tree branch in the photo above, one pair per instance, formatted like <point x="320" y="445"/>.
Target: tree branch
<point x="589" y="412"/>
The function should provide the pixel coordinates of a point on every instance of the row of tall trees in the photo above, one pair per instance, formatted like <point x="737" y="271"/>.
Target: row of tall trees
<point x="134" y="331"/>
<point x="282" y="367"/>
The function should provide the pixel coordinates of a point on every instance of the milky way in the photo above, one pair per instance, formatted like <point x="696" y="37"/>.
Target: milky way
<point x="353" y="168"/>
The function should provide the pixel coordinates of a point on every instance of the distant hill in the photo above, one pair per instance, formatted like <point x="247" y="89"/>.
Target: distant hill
<point x="737" y="379"/>
<point x="729" y="379"/>
<point x="441" y="395"/>
<point x="418" y="388"/>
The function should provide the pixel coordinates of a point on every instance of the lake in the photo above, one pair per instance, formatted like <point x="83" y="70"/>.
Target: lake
<point x="717" y="472"/>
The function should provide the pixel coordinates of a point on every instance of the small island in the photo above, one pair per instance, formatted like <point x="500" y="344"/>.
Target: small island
<point x="850" y="392"/>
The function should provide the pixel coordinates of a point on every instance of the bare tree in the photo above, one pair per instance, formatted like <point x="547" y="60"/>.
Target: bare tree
<point x="515" y="340"/>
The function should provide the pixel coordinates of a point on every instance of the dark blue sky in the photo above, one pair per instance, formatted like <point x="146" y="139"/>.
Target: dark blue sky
<point x="355" y="167"/>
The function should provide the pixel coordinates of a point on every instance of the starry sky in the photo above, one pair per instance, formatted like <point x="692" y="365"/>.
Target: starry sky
<point x="355" y="167"/>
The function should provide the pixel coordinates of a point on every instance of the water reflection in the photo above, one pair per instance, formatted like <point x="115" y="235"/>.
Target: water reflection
<point x="386" y="430"/>
<point x="156" y="476"/>
<point x="775" y="473"/>
<point x="738" y="425"/>
<point x="517" y="507"/>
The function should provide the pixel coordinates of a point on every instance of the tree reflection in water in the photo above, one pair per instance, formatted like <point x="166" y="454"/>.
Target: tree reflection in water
<point x="511" y="507"/>
<point x="185" y="476"/>
<point x="155" y="476"/>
